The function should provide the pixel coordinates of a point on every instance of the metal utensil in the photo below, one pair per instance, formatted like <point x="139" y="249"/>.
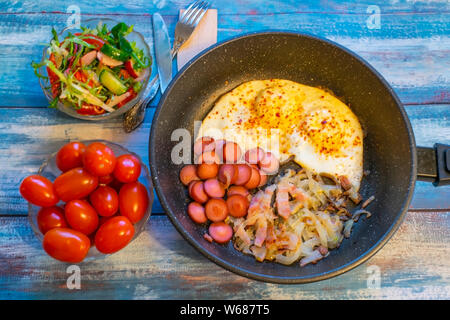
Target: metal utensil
<point x="136" y="115"/>
<point x="162" y="51"/>
<point x="183" y="30"/>
<point x="188" y="22"/>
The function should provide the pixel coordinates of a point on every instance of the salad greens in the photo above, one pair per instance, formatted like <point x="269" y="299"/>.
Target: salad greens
<point x="95" y="71"/>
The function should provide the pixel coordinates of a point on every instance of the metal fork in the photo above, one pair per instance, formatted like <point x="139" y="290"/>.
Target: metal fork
<point x="183" y="30"/>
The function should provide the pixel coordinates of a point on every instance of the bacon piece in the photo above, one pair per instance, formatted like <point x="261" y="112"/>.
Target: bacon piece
<point x="282" y="200"/>
<point x="261" y="232"/>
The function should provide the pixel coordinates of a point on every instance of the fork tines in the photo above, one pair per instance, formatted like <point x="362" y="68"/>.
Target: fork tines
<point x="194" y="13"/>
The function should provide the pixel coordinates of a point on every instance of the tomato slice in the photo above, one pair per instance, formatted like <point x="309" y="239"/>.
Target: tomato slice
<point x="89" y="109"/>
<point x="92" y="39"/>
<point x="131" y="97"/>
<point x="53" y="78"/>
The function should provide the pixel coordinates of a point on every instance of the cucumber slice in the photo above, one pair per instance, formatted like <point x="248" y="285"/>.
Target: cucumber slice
<point x="114" y="53"/>
<point x="110" y="81"/>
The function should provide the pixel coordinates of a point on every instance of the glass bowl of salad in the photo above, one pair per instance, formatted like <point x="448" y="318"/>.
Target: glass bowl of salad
<point x="96" y="72"/>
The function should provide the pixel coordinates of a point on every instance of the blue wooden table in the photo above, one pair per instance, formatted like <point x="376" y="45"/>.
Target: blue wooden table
<point x="408" y="42"/>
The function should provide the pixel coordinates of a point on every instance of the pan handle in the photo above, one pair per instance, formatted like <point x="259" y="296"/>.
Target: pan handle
<point x="434" y="164"/>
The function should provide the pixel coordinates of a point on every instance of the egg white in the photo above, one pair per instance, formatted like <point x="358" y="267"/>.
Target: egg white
<point x="291" y="119"/>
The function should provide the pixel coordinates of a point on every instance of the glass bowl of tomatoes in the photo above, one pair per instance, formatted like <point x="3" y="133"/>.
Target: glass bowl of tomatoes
<point x="116" y="204"/>
<point x="102" y="89"/>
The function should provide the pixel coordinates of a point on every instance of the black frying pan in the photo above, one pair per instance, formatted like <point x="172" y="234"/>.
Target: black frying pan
<point x="390" y="153"/>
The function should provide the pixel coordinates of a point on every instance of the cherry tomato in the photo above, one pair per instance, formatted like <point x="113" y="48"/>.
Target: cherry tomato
<point x="70" y="156"/>
<point x="81" y="216"/>
<point x="51" y="217"/>
<point x="133" y="201"/>
<point x="128" y="168"/>
<point x="75" y="184"/>
<point x="105" y="180"/>
<point x="114" y="234"/>
<point x="39" y="191"/>
<point x="102" y="220"/>
<point x="66" y="245"/>
<point x="116" y="185"/>
<point x="105" y="201"/>
<point x="99" y="159"/>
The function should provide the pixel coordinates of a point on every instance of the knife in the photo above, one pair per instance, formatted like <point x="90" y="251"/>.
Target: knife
<point x="162" y="51"/>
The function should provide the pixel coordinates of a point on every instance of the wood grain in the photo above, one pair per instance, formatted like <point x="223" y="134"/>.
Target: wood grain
<point x="410" y="50"/>
<point x="29" y="135"/>
<point x="162" y="265"/>
<point x="247" y="7"/>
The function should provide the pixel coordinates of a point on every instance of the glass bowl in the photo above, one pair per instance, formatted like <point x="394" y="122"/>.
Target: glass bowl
<point x="68" y="109"/>
<point x="50" y="170"/>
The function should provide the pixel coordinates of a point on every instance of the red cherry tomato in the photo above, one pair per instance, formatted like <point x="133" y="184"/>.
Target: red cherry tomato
<point x="116" y="185"/>
<point x="102" y="220"/>
<point x="66" y="245"/>
<point x="81" y="216"/>
<point x="105" y="200"/>
<point x="75" y="184"/>
<point x="133" y="201"/>
<point x="39" y="191"/>
<point x="99" y="159"/>
<point x="128" y="168"/>
<point x="105" y="180"/>
<point x="114" y="234"/>
<point x="51" y="217"/>
<point x="70" y="156"/>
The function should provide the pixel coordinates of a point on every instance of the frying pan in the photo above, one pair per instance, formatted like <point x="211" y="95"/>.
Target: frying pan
<point x="390" y="152"/>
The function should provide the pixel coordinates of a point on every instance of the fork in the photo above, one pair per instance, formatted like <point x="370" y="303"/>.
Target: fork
<point x="184" y="28"/>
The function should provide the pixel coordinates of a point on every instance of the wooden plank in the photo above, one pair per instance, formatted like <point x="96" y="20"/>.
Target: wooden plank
<point x="416" y="66"/>
<point x="226" y="8"/>
<point x="28" y="136"/>
<point x="160" y="264"/>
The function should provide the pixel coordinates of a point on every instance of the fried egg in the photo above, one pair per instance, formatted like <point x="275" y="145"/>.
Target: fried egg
<point x="290" y="119"/>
